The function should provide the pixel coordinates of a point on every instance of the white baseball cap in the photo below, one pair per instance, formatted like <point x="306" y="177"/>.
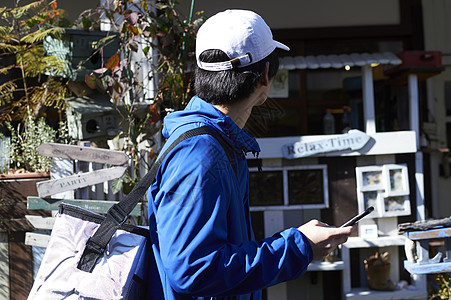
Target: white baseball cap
<point x="242" y="34"/>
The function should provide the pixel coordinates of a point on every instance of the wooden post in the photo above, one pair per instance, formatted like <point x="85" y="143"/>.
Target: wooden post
<point x="4" y="266"/>
<point x="20" y="266"/>
<point x="82" y="167"/>
<point x="415" y="126"/>
<point x="448" y="250"/>
<point x="274" y="222"/>
<point x="368" y="99"/>
<point x="345" y="256"/>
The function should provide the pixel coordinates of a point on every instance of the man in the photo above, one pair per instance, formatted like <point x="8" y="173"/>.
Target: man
<point x="199" y="206"/>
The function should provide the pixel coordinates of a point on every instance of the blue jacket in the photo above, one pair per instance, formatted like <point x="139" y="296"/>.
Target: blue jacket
<point x="199" y="217"/>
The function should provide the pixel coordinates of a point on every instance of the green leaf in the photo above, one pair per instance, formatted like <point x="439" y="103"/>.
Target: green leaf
<point x="122" y="183"/>
<point x="116" y="185"/>
<point x="86" y="23"/>
<point x="40" y="34"/>
<point x="127" y="187"/>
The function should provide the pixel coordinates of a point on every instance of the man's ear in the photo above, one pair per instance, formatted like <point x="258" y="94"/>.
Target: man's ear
<point x="264" y="79"/>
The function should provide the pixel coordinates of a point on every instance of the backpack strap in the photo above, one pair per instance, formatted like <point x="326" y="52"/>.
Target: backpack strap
<point x="118" y="213"/>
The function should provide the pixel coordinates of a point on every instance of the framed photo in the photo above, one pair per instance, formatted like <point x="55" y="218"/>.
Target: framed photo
<point x="396" y="180"/>
<point x="370" y="178"/>
<point x="279" y="87"/>
<point x="396" y="206"/>
<point x="368" y="231"/>
<point x="370" y="198"/>
<point x="386" y="187"/>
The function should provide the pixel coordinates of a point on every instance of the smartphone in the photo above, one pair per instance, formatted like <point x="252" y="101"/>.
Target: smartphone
<point x="358" y="217"/>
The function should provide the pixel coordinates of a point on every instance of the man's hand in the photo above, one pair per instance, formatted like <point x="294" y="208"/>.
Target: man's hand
<point x="324" y="238"/>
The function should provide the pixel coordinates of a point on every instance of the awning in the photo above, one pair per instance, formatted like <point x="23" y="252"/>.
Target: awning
<point x="338" y="61"/>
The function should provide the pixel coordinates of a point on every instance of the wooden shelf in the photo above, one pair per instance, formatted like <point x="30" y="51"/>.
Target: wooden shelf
<point x="366" y="294"/>
<point x="326" y="266"/>
<point x="383" y="241"/>
<point x="418" y="269"/>
<point x="412" y="292"/>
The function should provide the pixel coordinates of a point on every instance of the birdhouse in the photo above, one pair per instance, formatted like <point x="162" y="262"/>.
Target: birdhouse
<point x="81" y="50"/>
<point x="91" y="118"/>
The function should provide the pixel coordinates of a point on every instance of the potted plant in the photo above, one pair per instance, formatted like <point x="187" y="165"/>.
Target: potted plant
<point x="27" y="95"/>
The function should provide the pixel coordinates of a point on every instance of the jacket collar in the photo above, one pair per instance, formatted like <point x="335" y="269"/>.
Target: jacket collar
<point x="200" y="112"/>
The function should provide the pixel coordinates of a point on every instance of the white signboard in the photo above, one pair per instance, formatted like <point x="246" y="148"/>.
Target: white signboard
<point x="54" y="186"/>
<point x="98" y="155"/>
<point x="354" y="140"/>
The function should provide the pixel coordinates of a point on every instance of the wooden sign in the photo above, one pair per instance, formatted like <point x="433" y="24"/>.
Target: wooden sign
<point x="38" y="239"/>
<point x="55" y="186"/>
<point x="97" y="206"/>
<point x="354" y="140"/>
<point x="98" y="155"/>
<point x="40" y="222"/>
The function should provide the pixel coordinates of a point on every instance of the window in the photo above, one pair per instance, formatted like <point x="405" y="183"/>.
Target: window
<point x="303" y="95"/>
<point x="296" y="187"/>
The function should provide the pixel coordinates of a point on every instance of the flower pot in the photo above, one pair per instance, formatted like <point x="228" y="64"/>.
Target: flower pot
<point x="17" y="265"/>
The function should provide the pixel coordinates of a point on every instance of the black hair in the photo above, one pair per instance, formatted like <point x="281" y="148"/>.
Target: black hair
<point x="234" y="85"/>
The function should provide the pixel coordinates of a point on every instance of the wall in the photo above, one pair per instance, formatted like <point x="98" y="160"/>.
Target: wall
<point x="305" y="14"/>
<point x="284" y="14"/>
<point x="437" y="32"/>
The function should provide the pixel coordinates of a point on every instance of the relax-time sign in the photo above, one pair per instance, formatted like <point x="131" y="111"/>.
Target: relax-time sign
<point x="353" y="140"/>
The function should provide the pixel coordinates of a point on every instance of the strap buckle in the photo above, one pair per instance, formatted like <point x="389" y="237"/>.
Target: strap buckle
<point x="118" y="215"/>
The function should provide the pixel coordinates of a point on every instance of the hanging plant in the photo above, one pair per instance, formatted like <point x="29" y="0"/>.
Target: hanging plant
<point x="156" y="43"/>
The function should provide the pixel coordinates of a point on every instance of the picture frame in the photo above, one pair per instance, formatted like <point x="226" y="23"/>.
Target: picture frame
<point x="396" y="206"/>
<point x="280" y="87"/>
<point x="370" y="198"/>
<point x="368" y="231"/>
<point x="370" y="178"/>
<point x="396" y="180"/>
<point x="386" y="188"/>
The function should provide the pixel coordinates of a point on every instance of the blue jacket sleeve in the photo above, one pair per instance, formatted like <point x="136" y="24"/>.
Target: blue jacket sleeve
<point x="193" y="217"/>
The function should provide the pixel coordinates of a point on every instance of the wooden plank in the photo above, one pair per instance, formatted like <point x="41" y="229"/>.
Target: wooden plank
<point x="37" y="239"/>
<point x="54" y="186"/>
<point x="41" y="222"/>
<point x="414" y="268"/>
<point x="385" y="241"/>
<point x="325" y="266"/>
<point x="97" y="206"/>
<point x="99" y="155"/>
<point x="430" y="234"/>
<point x="4" y="266"/>
<point x="366" y="294"/>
